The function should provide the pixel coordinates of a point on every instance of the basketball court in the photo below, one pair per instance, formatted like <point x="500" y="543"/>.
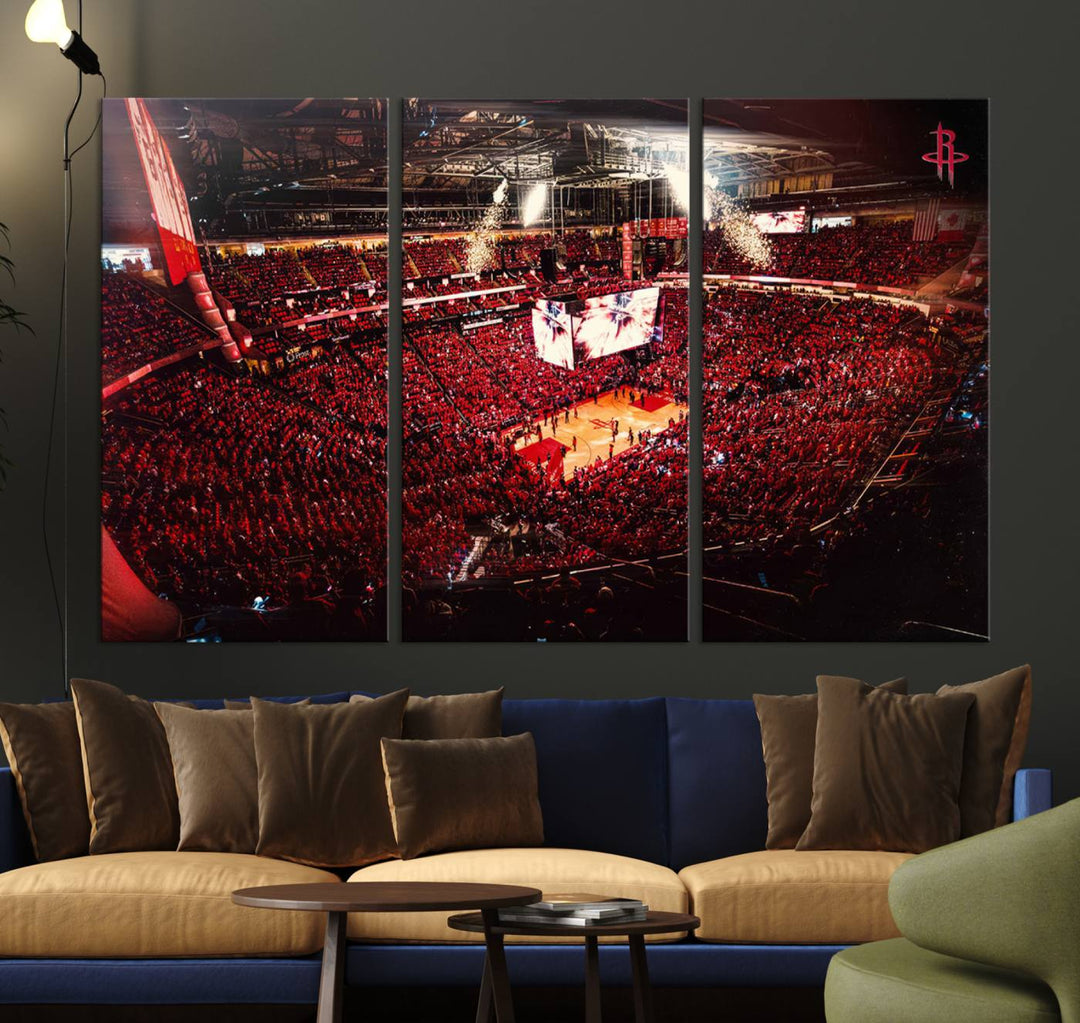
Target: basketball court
<point x="592" y="428"/>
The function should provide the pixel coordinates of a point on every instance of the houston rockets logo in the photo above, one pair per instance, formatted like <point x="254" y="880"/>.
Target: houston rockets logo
<point x="946" y="156"/>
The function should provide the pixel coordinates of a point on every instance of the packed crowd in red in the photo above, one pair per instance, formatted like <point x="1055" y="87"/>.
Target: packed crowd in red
<point x="466" y="390"/>
<point x="431" y="258"/>
<point x="803" y="398"/>
<point x="493" y="378"/>
<point x="881" y="254"/>
<point x="284" y="284"/>
<point x="139" y="327"/>
<point x="632" y="506"/>
<point x="223" y="488"/>
<point x="347" y="381"/>
<point x="280" y="287"/>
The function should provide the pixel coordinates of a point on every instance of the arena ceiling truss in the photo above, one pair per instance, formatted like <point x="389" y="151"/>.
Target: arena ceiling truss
<point x="311" y="144"/>
<point x="463" y="150"/>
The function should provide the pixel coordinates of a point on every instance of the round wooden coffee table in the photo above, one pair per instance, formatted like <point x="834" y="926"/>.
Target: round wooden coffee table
<point x="338" y="900"/>
<point x="495" y="987"/>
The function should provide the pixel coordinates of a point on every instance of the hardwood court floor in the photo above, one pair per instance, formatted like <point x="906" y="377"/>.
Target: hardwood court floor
<point x="592" y="428"/>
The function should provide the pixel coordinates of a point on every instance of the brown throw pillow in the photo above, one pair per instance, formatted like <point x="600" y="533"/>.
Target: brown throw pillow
<point x="42" y="746"/>
<point x="322" y="797"/>
<point x="217" y="781"/>
<point x="788" y="725"/>
<point x="457" y="716"/>
<point x="246" y="704"/>
<point x="463" y="793"/>
<point x="994" y="746"/>
<point x="886" y="769"/>
<point x="127" y="770"/>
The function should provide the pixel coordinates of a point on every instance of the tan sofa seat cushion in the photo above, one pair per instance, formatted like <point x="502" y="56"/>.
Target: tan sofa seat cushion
<point x="153" y="904"/>
<point x="550" y="870"/>
<point x="787" y="897"/>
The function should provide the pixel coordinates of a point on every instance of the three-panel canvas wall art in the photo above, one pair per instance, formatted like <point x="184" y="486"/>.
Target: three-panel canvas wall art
<point x="835" y="418"/>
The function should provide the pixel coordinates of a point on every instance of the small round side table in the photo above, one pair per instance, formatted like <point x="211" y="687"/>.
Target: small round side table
<point x="338" y="900"/>
<point x="496" y="979"/>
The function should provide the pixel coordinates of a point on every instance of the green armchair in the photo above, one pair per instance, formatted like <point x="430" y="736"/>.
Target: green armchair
<point x="991" y="931"/>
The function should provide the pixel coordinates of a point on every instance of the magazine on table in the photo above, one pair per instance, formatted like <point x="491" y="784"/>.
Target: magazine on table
<point x="576" y="909"/>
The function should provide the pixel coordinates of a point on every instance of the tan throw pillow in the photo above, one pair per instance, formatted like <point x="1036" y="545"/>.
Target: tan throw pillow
<point x="994" y="747"/>
<point x="246" y="704"/>
<point x="788" y="725"/>
<point x="457" y="716"/>
<point x="463" y="793"/>
<point x="322" y="797"/>
<point x="886" y="769"/>
<point x="217" y="781"/>
<point x="127" y="770"/>
<point x="42" y="746"/>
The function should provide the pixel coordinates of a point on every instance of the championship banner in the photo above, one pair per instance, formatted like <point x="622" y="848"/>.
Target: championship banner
<point x="168" y="200"/>
<point x="628" y="251"/>
<point x="658" y="227"/>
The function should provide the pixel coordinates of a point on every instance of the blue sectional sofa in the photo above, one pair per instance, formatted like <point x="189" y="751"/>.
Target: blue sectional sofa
<point x="656" y="786"/>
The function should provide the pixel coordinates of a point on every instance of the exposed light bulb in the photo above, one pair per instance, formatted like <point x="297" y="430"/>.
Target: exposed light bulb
<point x="45" y="23"/>
<point x="532" y="209"/>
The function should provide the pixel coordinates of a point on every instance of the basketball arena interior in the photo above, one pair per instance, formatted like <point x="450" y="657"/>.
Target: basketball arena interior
<point x="545" y="403"/>
<point x="244" y="408"/>
<point x="545" y="368"/>
<point x="845" y="417"/>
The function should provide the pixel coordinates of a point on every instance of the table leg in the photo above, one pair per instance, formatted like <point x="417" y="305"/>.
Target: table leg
<point x="592" y="980"/>
<point x="643" y="1010"/>
<point x="485" y="1005"/>
<point x="496" y="960"/>
<point x="331" y="986"/>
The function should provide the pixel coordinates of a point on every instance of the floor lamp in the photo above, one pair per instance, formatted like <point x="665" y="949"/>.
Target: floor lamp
<point x="47" y="23"/>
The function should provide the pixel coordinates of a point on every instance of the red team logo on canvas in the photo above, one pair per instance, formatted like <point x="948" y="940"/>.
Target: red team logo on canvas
<point x="946" y="155"/>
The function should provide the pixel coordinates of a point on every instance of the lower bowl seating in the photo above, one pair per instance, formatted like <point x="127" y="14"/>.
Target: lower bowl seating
<point x="789" y="897"/>
<point x="153" y="905"/>
<point x="550" y="870"/>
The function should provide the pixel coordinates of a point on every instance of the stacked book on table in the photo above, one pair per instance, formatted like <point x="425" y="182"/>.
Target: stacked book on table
<point x="575" y="909"/>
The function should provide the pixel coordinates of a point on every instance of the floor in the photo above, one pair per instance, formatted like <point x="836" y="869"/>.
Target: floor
<point x="439" y="1005"/>
<point x="592" y="428"/>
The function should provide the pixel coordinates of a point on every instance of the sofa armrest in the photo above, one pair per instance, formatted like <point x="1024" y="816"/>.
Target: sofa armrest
<point x="1007" y="898"/>
<point x="15" y="848"/>
<point x="1032" y="792"/>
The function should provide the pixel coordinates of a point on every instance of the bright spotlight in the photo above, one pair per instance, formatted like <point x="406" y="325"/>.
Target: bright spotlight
<point x="532" y="209"/>
<point x="679" y="180"/>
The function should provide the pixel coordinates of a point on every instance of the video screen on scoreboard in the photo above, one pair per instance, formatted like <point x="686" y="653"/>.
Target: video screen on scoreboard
<point x="781" y="222"/>
<point x="831" y="221"/>
<point x="553" y="333"/>
<point x="614" y="323"/>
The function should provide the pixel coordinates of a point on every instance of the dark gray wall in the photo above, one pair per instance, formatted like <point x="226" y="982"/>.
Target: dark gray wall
<point x="522" y="48"/>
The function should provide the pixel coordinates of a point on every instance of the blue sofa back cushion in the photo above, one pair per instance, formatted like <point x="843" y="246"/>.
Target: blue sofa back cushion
<point x="716" y="772"/>
<point x="217" y="704"/>
<point x="602" y="767"/>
